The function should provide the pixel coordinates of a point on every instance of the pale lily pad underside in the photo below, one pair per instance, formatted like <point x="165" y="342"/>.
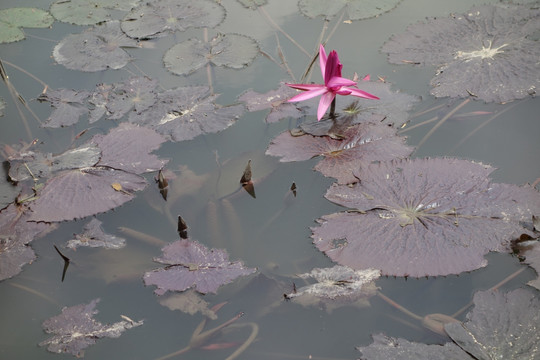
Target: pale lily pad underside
<point x="157" y="18"/>
<point x="186" y="112"/>
<point x="485" y="53"/>
<point x="229" y="50"/>
<point x="424" y="217"/>
<point x="362" y="144"/>
<point x="95" y="49"/>
<point x="94" y="236"/>
<point x="356" y="9"/>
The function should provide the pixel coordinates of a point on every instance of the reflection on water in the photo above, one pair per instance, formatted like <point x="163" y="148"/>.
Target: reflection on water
<point x="271" y="231"/>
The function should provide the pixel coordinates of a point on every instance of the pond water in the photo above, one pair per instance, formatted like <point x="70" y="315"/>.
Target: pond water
<point x="272" y="233"/>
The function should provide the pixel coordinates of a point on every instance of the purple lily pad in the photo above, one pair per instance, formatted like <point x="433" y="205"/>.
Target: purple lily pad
<point x="137" y="93"/>
<point x="75" y="329"/>
<point x="127" y="147"/>
<point x="229" y="50"/>
<point x="484" y="53"/>
<point x="96" y="49"/>
<point x="68" y="106"/>
<point x="75" y="194"/>
<point x="98" y="101"/>
<point x="15" y="235"/>
<point x="189" y="263"/>
<point x="276" y="100"/>
<point x="186" y="112"/>
<point x="424" y="217"/>
<point x="362" y="144"/>
<point x="94" y="236"/>
<point x="157" y="18"/>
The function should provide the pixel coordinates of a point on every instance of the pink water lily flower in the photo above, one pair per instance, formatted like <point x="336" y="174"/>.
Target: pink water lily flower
<point x="333" y="84"/>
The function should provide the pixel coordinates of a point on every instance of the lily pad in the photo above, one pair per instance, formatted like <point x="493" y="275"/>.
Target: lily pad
<point x="360" y="144"/>
<point x="68" y="106"/>
<point x="356" y="9"/>
<point x="157" y="18"/>
<point x="484" y="53"/>
<point x="128" y="146"/>
<point x="228" y="50"/>
<point x="276" y="100"/>
<point x="94" y="236"/>
<point x="137" y="94"/>
<point x="500" y="326"/>
<point x="79" y="12"/>
<point x="186" y="112"/>
<point x="336" y="286"/>
<point x="189" y="302"/>
<point x="75" y="329"/>
<point x="96" y="49"/>
<point x="75" y="194"/>
<point x="26" y="17"/>
<point x="191" y="264"/>
<point x="15" y="235"/>
<point x="424" y="217"/>
<point x="252" y="4"/>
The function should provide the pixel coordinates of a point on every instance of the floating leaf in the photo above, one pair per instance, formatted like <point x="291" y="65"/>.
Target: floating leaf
<point x="361" y="144"/>
<point x="229" y="50"/>
<point x="485" y="52"/>
<point x="336" y="286"/>
<point x="424" y="217"/>
<point x="189" y="263"/>
<point x="15" y="234"/>
<point x="186" y="112"/>
<point x="356" y="9"/>
<point x="79" y="193"/>
<point x="37" y="165"/>
<point x="79" y="12"/>
<point x="98" y="101"/>
<point x="252" y="4"/>
<point x="156" y="18"/>
<point x="137" y="93"/>
<point x="67" y="104"/>
<point x="75" y="329"/>
<point x="127" y="147"/>
<point x="500" y="326"/>
<point x="94" y="236"/>
<point x="276" y="100"/>
<point x="26" y="17"/>
<point x="188" y="302"/>
<point x="96" y="49"/>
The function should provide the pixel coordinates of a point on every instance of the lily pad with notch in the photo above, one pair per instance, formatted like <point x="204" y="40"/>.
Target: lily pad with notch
<point x="229" y="50"/>
<point x="359" y="144"/>
<point x="68" y="106"/>
<point x="485" y="53"/>
<point x="191" y="264"/>
<point x="75" y="329"/>
<point x="157" y="18"/>
<point x="424" y="217"/>
<point x="186" y="112"/>
<point x="13" y="19"/>
<point x="97" y="48"/>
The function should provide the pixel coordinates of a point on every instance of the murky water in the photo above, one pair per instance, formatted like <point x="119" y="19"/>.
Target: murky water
<point x="272" y="233"/>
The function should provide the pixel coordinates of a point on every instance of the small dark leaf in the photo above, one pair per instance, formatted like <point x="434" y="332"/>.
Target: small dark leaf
<point x="182" y="228"/>
<point x="66" y="262"/>
<point x="75" y="329"/>
<point x="246" y="176"/>
<point x="190" y="263"/>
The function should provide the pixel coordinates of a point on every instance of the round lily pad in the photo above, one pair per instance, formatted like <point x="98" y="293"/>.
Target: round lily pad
<point x="79" y="12"/>
<point x="229" y="50"/>
<point x="27" y="17"/>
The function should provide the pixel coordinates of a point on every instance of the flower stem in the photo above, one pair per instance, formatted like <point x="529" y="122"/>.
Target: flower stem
<point x="333" y="109"/>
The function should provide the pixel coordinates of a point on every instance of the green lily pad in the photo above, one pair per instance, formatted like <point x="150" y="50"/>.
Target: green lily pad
<point x="229" y="50"/>
<point x="10" y="33"/>
<point x="79" y="12"/>
<point x="27" y="17"/>
<point x="356" y="9"/>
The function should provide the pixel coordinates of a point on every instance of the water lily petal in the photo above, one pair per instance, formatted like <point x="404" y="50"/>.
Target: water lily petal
<point x="309" y="94"/>
<point x="324" y="103"/>
<point x="322" y="60"/>
<point x="305" y="86"/>
<point x="333" y="67"/>
<point x="343" y="91"/>
<point x="363" y="94"/>
<point x="337" y="81"/>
